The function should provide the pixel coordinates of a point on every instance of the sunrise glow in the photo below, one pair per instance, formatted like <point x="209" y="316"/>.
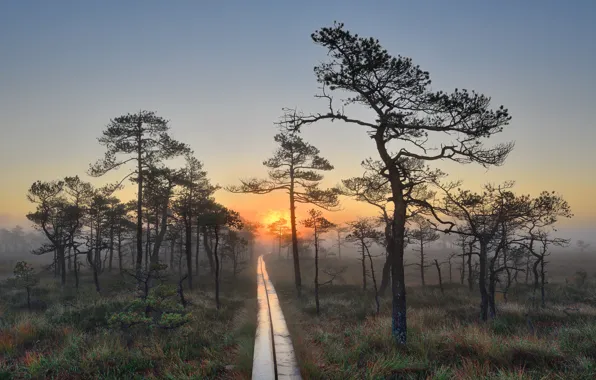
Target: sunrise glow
<point x="272" y="216"/>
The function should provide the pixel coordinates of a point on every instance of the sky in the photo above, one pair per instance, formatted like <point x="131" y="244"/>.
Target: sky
<point x="221" y="72"/>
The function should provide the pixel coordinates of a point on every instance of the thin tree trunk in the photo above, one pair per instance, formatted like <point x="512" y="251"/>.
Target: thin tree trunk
<point x="374" y="280"/>
<point x="70" y="256"/>
<point x="527" y="268"/>
<point x="76" y="271"/>
<point x="482" y="283"/>
<point x="463" y="266"/>
<point x="55" y="263"/>
<point x="215" y="254"/>
<point x="297" y="277"/>
<point x="317" y="272"/>
<point x="134" y="255"/>
<point x="470" y="272"/>
<point x="542" y="282"/>
<point x="386" y="273"/>
<point x="492" y="280"/>
<point x="208" y="250"/>
<point x="172" y="249"/>
<point x="362" y="248"/>
<point x="440" y="278"/>
<point x="147" y="239"/>
<point x="62" y="260"/>
<point x="188" y="230"/>
<point x="120" y="249"/>
<point x="180" y="257"/>
<point x="95" y="265"/>
<point x="111" y="248"/>
<point x="198" y="244"/>
<point x="422" y="261"/>
<point x="139" y="262"/>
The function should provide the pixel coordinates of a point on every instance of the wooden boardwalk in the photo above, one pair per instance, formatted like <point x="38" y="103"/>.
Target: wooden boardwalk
<point x="274" y="356"/>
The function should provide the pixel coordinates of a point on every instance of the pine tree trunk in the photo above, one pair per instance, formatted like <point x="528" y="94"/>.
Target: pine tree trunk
<point x="422" y="261"/>
<point x="198" y="244"/>
<point x="188" y="230"/>
<point x="542" y="283"/>
<point x="120" y="251"/>
<point x="440" y="278"/>
<point x="362" y="248"/>
<point x="297" y="277"/>
<point x="139" y="252"/>
<point x="62" y="260"/>
<point x="111" y="249"/>
<point x="317" y="272"/>
<point x="482" y="283"/>
<point x="216" y="256"/>
<point x="470" y="272"/>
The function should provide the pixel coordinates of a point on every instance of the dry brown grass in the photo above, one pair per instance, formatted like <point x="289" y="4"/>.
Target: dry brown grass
<point x="71" y="339"/>
<point x="446" y="341"/>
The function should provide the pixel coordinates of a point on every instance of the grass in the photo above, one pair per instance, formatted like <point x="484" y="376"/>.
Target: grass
<point x="445" y="339"/>
<point x="67" y="335"/>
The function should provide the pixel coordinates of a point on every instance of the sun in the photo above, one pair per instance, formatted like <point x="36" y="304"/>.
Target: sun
<point x="272" y="216"/>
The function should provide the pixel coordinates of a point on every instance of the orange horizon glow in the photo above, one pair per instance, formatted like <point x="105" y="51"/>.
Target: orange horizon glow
<point x="272" y="216"/>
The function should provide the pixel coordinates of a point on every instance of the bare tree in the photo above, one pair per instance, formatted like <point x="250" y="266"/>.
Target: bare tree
<point x="294" y="169"/>
<point x="319" y="225"/>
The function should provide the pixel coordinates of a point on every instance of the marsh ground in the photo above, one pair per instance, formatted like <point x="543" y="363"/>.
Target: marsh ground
<point x="67" y="335"/>
<point x="446" y="341"/>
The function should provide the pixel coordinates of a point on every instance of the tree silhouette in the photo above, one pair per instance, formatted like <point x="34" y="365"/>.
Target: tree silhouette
<point x="214" y="218"/>
<point x="279" y="229"/>
<point x="535" y="235"/>
<point x="195" y="188"/>
<point x="319" y="225"/>
<point x="374" y="188"/>
<point x="24" y="277"/>
<point x="57" y="217"/>
<point x="294" y="169"/>
<point x="141" y="138"/>
<point x="407" y="111"/>
<point x="234" y="248"/>
<point x="423" y="235"/>
<point x="340" y="230"/>
<point x="250" y="233"/>
<point x="364" y="233"/>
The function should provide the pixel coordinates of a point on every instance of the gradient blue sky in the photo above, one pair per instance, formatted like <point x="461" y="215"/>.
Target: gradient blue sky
<point x="222" y="70"/>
